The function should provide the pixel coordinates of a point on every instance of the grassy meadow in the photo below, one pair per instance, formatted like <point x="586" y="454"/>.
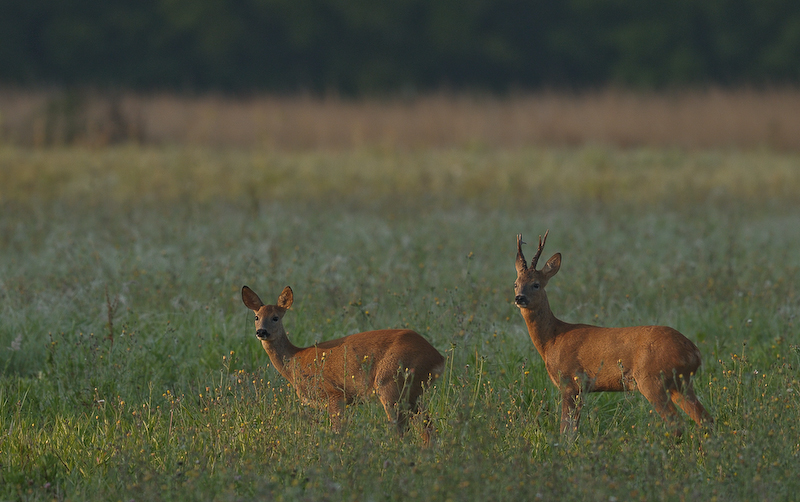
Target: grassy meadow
<point x="130" y="369"/>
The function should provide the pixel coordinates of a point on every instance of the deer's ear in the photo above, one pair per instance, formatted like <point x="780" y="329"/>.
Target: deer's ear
<point x="286" y="299"/>
<point x="551" y="267"/>
<point x="251" y="299"/>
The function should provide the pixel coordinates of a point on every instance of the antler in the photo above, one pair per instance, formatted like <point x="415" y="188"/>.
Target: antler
<point x="541" y="247"/>
<point x="521" y="264"/>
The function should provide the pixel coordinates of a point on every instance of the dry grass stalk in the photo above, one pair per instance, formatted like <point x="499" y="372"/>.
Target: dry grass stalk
<point x="712" y="118"/>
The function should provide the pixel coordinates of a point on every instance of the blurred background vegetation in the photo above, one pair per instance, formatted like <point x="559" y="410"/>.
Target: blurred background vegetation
<point x="358" y="47"/>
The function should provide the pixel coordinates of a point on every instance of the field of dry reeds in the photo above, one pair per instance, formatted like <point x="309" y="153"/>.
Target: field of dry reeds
<point x="691" y="119"/>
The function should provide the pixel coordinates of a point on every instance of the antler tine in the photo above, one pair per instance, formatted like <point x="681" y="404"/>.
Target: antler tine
<point x="535" y="259"/>
<point x="520" y="257"/>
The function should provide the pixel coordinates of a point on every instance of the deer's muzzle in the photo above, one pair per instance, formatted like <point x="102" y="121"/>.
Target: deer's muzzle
<point x="262" y="334"/>
<point x="521" y="300"/>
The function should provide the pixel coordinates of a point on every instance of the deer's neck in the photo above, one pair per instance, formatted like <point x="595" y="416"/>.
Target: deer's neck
<point x="542" y="326"/>
<point x="281" y="352"/>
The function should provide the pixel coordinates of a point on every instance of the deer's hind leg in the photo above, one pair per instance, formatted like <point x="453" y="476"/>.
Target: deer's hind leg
<point x="336" y="405"/>
<point x="659" y="394"/>
<point x="417" y="409"/>
<point x="688" y="402"/>
<point x="390" y="397"/>
<point x="400" y="399"/>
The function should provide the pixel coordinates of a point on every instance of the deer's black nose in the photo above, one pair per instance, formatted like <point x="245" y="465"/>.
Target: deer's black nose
<point x="521" y="300"/>
<point x="262" y="334"/>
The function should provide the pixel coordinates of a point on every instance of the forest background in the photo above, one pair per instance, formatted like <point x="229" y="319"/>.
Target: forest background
<point x="407" y="46"/>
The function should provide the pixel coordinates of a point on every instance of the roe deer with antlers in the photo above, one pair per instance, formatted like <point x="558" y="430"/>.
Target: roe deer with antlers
<point x="657" y="360"/>
<point x="395" y="364"/>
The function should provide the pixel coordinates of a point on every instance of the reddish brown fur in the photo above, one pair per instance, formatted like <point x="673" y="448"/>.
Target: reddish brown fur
<point x="394" y="364"/>
<point x="657" y="360"/>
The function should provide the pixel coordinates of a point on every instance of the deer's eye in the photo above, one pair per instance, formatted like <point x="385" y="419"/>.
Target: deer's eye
<point x="535" y="285"/>
<point x="275" y="319"/>
<point x="256" y="318"/>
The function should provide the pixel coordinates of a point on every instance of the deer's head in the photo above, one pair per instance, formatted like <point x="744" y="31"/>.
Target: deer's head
<point x="269" y="318"/>
<point x="529" y="286"/>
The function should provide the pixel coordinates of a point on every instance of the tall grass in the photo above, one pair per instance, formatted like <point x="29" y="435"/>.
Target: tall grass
<point x="130" y="369"/>
<point x="395" y="180"/>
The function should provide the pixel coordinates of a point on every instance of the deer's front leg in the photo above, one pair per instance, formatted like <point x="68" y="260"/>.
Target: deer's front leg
<point x="571" y="404"/>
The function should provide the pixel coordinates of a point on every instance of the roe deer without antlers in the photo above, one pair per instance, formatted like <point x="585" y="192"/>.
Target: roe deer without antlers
<point x="657" y="360"/>
<point x="395" y="364"/>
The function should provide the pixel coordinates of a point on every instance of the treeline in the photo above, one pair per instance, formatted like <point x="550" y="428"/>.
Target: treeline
<point x="364" y="46"/>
